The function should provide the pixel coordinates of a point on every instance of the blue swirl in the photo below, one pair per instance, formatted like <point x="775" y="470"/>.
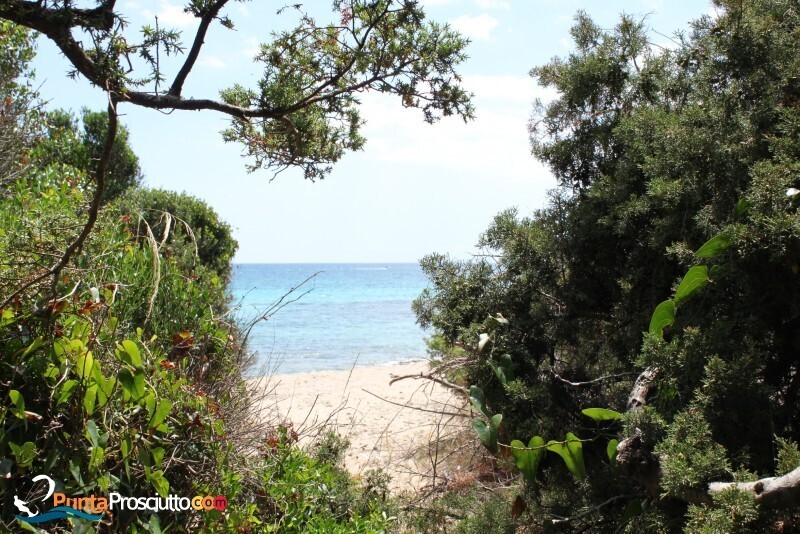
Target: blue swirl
<point x="60" y="512"/>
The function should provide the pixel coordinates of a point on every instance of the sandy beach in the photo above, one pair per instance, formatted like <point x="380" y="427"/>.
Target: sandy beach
<point x="388" y="425"/>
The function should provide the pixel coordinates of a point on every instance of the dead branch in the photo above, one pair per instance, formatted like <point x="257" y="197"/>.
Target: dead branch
<point x="407" y="405"/>
<point x="433" y="378"/>
<point x="588" y="382"/>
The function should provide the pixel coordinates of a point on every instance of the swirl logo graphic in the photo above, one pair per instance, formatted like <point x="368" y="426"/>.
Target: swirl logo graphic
<point x="59" y="512"/>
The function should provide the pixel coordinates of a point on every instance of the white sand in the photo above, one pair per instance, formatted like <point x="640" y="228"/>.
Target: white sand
<point x="359" y="405"/>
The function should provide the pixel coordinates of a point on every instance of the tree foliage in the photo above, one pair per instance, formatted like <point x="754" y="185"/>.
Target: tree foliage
<point x="303" y="111"/>
<point x="659" y="153"/>
<point x="66" y="142"/>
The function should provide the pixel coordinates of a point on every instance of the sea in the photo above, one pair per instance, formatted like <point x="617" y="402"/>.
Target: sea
<point x="328" y="316"/>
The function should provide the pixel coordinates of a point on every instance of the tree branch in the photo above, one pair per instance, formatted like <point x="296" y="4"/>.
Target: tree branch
<point x="199" y="39"/>
<point x="587" y="382"/>
<point x="94" y="208"/>
<point x="433" y="378"/>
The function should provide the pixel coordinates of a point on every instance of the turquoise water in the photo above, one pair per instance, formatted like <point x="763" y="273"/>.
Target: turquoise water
<point x="353" y="314"/>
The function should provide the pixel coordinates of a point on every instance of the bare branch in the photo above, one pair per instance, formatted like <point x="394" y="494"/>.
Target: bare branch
<point x="588" y="382"/>
<point x="433" y="378"/>
<point x="205" y="21"/>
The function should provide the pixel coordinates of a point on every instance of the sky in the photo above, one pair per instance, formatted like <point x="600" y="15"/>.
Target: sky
<point x="415" y="188"/>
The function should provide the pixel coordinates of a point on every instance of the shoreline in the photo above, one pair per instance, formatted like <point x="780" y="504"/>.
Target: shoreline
<point x="388" y="426"/>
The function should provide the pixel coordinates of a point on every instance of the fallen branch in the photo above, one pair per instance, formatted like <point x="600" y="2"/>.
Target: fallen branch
<point x="433" y="378"/>
<point x="588" y="382"/>
<point x="438" y="412"/>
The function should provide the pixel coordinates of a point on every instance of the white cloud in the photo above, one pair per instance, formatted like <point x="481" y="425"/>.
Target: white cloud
<point x="493" y="4"/>
<point x="508" y="91"/>
<point x="495" y="144"/>
<point x="212" y="61"/>
<point x="478" y="28"/>
<point x="251" y="48"/>
<point x="171" y="15"/>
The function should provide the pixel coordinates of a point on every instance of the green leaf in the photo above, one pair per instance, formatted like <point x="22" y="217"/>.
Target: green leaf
<point x="89" y="398"/>
<point x="160" y="413"/>
<point x="611" y="450"/>
<point x="714" y="246"/>
<point x="487" y="433"/>
<point x="663" y="316"/>
<point x="158" y="455"/>
<point x="571" y="451"/>
<point x="527" y="460"/>
<point x="601" y="414"/>
<point x="695" y="280"/>
<point x="132" y="385"/>
<point x="160" y="483"/>
<point x="17" y="399"/>
<point x="24" y="454"/>
<point x="6" y="317"/>
<point x="105" y="389"/>
<point x="633" y="509"/>
<point x="478" y="400"/>
<point x="129" y="353"/>
<point x="92" y="434"/>
<point x="741" y="209"/>
<point x="125" y="447"/>
<point x="38" y="342"/>
<point x="66" y="391"/>
<point x="84" y="365"/>
<point x="504" y="369"/>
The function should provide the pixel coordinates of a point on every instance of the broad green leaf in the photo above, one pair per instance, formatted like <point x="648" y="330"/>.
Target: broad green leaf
<point x="104" y="390"/>
<point x="634" y="508"/>
<point x="126" y="447"/>
<point x="158" y="455"/>
<point x="90" y="398"/>
<point x="38" y="342"/>
<point x="17" y="399"/>
<point x="66" y="391"/>
<point x="96" y="458"/>
<point x="132" y="385"/>
<point x="478" y="400"/>
<point x="663" y="316"/>
<point x="159" y="483"/>
<point x="84" y="365"/>
<point x="160" y="413"/>
<point x="740" y="209"/>
<point x="24" y="454"/>
<point x="611" y="450"/>
<point x="714" y="246"/>
<point x="92" y="434"/>
<point x="487" y="433"/>
<point x="601" y="414"/>
<point x="129" y="353"/>
<point x="219" y="427"/>
<point x="6" y="317"/>
<point x="695" y="280"/>
<point x="503" y="369"/>
<point x="571" y="451"/>
<point x="527" y="460"/>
